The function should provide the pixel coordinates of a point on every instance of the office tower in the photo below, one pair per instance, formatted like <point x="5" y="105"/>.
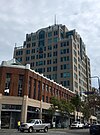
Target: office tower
<point x="58" y="54"/>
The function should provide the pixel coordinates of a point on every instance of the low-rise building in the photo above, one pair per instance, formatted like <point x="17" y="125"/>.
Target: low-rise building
<point x="26" y="94"/>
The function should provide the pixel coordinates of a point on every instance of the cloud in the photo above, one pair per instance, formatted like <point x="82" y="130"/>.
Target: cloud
<point x="18" y="17"/>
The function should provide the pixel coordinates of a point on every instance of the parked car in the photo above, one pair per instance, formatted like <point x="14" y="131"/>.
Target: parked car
<point x="86" y="125"/>
<point x="77" y="124"/>
<point x="34" y="125"/>
<point x="95" y="129"/>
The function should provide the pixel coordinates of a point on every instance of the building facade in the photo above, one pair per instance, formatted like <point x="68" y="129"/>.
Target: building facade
<point x="26" y="94"/>
<point x="59" y="54"/>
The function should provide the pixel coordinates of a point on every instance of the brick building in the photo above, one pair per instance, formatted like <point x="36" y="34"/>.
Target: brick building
<point x="24" y="91"/>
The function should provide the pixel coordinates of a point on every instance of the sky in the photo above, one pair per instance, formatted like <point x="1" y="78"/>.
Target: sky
<point x="19" y="17"/>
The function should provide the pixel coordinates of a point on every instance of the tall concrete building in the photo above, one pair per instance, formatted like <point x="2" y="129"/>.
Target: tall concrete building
<point x="58" y="54"/>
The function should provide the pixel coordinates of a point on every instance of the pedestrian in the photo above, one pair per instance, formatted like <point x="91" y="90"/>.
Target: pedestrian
<point x="18" y="125"/>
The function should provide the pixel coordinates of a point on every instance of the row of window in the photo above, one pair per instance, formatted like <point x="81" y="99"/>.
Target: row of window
<point x="50" y="47"/>
<point x="45" y="87"/>
<point x="62" y="59"/>
<point x="50" y="69"/>
<point x="63" y="51"/>
<point x="41" y="35"/>
<point x="65" y="83"/>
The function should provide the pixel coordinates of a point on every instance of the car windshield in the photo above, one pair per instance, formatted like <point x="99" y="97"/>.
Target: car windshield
<point x="31" y="121"/>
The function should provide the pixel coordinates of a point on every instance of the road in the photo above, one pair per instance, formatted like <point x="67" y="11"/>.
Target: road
<point x="50" y="132"/>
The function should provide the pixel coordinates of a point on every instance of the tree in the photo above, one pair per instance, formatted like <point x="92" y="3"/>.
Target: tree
<point x="64" y="107"/>
<point x="86" y="111"/>
<point x="90" y="104"/>
<point x="76" y="101"/>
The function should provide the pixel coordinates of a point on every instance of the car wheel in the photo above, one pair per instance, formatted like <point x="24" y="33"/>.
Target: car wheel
<point x="46" y="129"/>
<point x="30" y="130"/>
<point x="21" y="130"/>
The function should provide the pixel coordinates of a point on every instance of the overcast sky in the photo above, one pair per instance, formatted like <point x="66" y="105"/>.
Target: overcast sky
<point x="19" y="17"/>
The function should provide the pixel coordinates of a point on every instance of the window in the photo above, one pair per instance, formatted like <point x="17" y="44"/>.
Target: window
<point x="67" y="50"/>
<point x="32" y="57"/>
<point x="54" y="61"/>
<point x="75" y="76"/>
<point x="33" y="37"/>
<point x="75" y="60"/>
<point x="40" y="56"/>
<point x="55" y="68"/>
<point x="75" y="53"/>
<point x="50" y="34"/>
<point x="27" y="58"/>
<point x="65" y="74"/>
<point x="48" y="61"/>
<point x="7" y="85"/>
<point x="44" y="48"/>
<point x="29" y="88"/>
<point x="49" y="47"/>
<point x="33" y="44"/>
<point x="67" y="43"/>
<point x="67" y="58"/>
<point x="65" y="83"/>
<point x="41" y="34"/>
<point x="63" y="59"/>
<point x="28" y="45"/>
<point x="76" y="84"/>
<point x="63" y="51"/>
<point x="68" y="83"/>
<point x="55" y="46"/>
<point x="50" y="54"/>
<point x="55" y="33"/>
<point x="47" y="87"/>
<point x="20" y="85"/>
<point x="36" y="56"/>
<point x="40" y="63"/>
<point x="63" y="44"/>
<point x="63" y="66"/>
<point x="49" y="41"/>
<point x="41" y="70"/>
<point x="43" y="86"/>
<point x="32" y="64"/>
<point x="47" y="99"/>
<point x="33" y="50"/>
<point x="44" y="55"/>
<point x="54" y="76"/>
<point x="49" y="69"/>
<point x="75" y="68"/>
<point x="34" y="96"/>
<point x="20" y="52"/>
<point x="55" y="40"/>
<point x="55" y="53"/>
<point x="39" y="90"/>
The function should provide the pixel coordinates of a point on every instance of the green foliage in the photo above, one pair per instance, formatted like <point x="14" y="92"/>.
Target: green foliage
<point x="76" y="101"/>
<point x="62" y="105"/>
<point x="86" y="111"/>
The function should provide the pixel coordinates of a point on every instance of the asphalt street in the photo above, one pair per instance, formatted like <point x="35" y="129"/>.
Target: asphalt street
<point x="50" y="132"/>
